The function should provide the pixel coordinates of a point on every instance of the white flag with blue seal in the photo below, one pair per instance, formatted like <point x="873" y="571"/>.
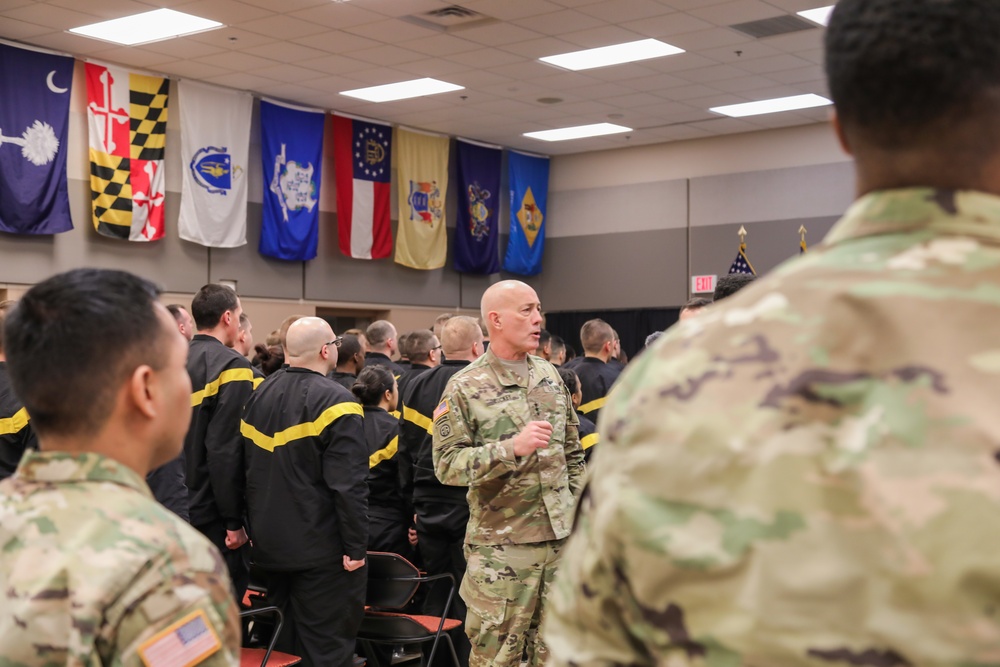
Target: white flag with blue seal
<point x="215" y="150"/>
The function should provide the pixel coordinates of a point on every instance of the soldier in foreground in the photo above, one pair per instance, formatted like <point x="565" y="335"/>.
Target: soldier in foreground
<point x="807" y="474"/>
<point x="506" y="428"/>
<point x="93" y="570"/>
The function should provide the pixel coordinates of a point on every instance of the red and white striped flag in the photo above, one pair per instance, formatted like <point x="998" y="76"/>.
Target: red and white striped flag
<point x="362" y="160"/>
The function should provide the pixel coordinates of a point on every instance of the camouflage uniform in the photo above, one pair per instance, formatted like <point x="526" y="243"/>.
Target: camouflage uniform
<point x="807" y="474"/>
<point x="92" y="570"/>
<point x="520" y="508"/>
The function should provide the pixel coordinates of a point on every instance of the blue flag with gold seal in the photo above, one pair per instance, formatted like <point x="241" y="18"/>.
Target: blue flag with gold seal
<point x="477" y="234"/>
<point x="529" y="189"/>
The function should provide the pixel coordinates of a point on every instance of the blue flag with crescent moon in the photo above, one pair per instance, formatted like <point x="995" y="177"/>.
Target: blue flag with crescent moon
<point x="34" y="120"/>
<point x="529" y="192"/>
<point x="477" y="235"/>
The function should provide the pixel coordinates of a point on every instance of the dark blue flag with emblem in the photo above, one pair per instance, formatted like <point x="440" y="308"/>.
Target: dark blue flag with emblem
<point x="529" y="189"/>
<point x="741" y="264"/>
<point x="34" y="119"/>
<point x="292" y="154"/>
<point x="477" y="234"/>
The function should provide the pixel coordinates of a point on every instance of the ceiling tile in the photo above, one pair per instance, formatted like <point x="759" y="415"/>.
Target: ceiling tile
<point x="497" y="34"/>
<point x="334" y="64"/>
<point x="136" y="57"/>
<point x="183" y="48"/>
<point x="222" y="10"/>
<point x="282" y="27"/>
<point x="242" y="80"/>
<point x="626" y="10"/>
<point x="701" y="40"/>
<point x="404" y="7"/>
<point x="440" y="45"/>
<point x="603" y="36"/>
<point x="14" y="29"/>
<point x="286" y="52"/>
<point x="337" y="15"/>
<point x="391" y="31"/>
<point x="525" y="70"/>
<point x="800" y="75"/>
<point x="243" y="62"/>
<point x="560" y="81"/>
<point x="190" y="69"/>
<point x="7" y="5"/>
<point x="50" y="16"/>
<point x="288" y="73"/>
<point x="230" y="38"/>
<point x="773" y="64"/>
<point x="287" y="5"/>
<point x="377" y="76"/>
<point x="538" y="48"/>
<point x="336" y="41"/>
<point x="745" y="84"/>
<point x="104" y="9"/>
<point x="741" y="11"/>
<point x="667" y="25"/>
<point x="559" y="22"/>
<point x="477" y="79"/>
<point x="711" y="74"/>
<point x="69" y="43"/>
<point x="439" y="67"/>
<point x="511" y="10"/>
<point x="486" y="58"/>
<point x="386" y="55"/>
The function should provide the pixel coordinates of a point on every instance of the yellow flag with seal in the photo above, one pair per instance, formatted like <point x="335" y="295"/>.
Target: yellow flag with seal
<point x="422" y="162"/>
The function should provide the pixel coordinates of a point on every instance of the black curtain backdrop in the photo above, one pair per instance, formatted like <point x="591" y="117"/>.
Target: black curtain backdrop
<point x="632" y="325"/>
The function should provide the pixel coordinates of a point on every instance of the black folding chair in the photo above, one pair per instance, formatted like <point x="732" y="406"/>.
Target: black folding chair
<point x="392" y="583"/>
<point x="267" y="657"/>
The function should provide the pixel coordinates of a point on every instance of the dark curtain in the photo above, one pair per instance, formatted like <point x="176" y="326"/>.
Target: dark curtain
<point x="632" y="325"/>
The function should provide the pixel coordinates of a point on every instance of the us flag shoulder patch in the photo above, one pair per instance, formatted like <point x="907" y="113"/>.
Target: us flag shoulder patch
<point x="185" y="643"/>
<point x="441" y="410"/>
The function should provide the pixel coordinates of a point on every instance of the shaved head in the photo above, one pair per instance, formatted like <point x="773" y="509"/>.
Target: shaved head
<point x="459" y="334"/>
<point x="305" y="338"/>
<point x="513" y="316"/>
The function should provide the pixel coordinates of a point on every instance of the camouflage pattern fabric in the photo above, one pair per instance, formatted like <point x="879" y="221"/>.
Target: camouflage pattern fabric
<point x="512" y="500"/>
<point x="807" y="474"/>
<point x="92" y="568"/>
<point x="506" y="587"/>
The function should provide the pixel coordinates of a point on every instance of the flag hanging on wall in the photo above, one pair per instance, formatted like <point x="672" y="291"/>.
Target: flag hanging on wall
<point x="34" y="118"/>
<point x="127" y="115"/>
<point x="529" y="188"/>
<point x="292" y="154"/>
<point x="215" y="150"/>
<point x="477" y="234"/>
<point x="362" y="153"/>
<point x="422" y="241"/>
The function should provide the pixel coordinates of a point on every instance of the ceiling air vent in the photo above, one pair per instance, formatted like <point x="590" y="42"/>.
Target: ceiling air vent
<point x="450" y="19"/>
<point x="780" y="25"/>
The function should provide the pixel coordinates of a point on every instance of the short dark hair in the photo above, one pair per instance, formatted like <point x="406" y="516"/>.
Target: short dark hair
<point x="403" y="344"/>
<point x="730" y="284"/>
<point x="372" y="383"/>
<point x="570" y="379"/>
<point x="211" y="303"/>
<point x="557" y="344"/>
<point x="544" y="337"/>
<point x="418" y="344"/>
<point x="110" y="317"/>
<point x="696" y="302"/>
<point x="349" y="346"/>
<point x="379" y="332"/>
<point x="905" y="72"/>
<point x="594" y="334"/>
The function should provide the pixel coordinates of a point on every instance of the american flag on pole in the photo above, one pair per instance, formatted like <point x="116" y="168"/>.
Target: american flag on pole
<point x="186" y="642"/>
<point x="741" y="264"/>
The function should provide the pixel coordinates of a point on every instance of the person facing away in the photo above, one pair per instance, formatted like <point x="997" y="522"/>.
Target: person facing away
<point x="350" y="361"/>
<point x="806" y="474"/>
<point x="389" y="513"/>
<point x="506" y="428"/>
<point x="587" y="428"/>
<point x="307" y="498"/>
<point x="600" y="345"/>
<point x="441" y="511"/>
<point x="222" y="381"/>
<point x="16" y="434"/>
<point x="425" y="354"/>
<point x="382" y="344"/>
<point x="93" y="571"/>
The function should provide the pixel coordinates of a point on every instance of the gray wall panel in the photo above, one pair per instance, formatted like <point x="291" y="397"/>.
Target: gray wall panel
<point x="175" y="265"/>
<point x="256" y="275"/>
<point x="637" y="270"/>
<point x="624" y="208"/>
<point x="713" y="249"/>
<point x="777" y="194"/>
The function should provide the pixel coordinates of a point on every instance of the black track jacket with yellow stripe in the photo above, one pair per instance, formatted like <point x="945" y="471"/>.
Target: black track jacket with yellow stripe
<point x="416" y="462"/>
<point x="15" y="430"/>
<point x="306" y="471"/>
<point x="221" y="383"/>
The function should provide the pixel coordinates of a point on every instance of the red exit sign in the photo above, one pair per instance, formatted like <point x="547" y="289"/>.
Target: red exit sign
<point x="702" y="284"/>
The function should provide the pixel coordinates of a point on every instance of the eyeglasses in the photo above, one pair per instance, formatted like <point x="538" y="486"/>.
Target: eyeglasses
<point x="337" y="342"/>
<point x="436" y="348"/>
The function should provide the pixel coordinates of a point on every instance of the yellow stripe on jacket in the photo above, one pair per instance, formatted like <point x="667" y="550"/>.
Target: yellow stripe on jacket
<point x="225" y="377"/>
<point x="384" y="454"/>
<point x="16" y="423"/>
<point x="299" y="431"/>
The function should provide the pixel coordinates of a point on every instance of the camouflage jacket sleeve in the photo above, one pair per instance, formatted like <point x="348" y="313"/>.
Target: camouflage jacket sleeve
<point x="575" y="456"/>
<point x="157" y="606"/>
<point x="458" y="459"/>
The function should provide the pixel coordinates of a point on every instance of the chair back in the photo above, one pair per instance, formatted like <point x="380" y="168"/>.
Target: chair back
<point x="392" y="580"/>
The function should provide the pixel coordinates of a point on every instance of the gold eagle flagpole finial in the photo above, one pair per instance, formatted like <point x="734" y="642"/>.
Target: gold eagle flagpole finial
<point x="802" y="238"/>
<point x="743" y="237"/>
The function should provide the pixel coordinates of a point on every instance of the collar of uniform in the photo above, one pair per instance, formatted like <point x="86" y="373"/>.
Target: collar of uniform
<point x="66" y="468"/>
<point x="298" y="369"/>
<point x="965" y="212"/>
<point x="593" y="360"/>
<point x="376" y="355"/>
<point x="507" y="378"/>
<point x="455" y="362"/>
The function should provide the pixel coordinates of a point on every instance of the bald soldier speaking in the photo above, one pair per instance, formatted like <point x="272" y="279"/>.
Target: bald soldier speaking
<point x="506" y="429"/>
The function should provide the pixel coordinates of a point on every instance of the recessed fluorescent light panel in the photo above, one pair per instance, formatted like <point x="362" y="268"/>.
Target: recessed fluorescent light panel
<point x="402" y="90"/>
<point x="616" y="54"/>
<point x="578" y="132"/>
<point x="820" y="15"/>
<point x="146" y="27"/>
<point x="772" y="106"/>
